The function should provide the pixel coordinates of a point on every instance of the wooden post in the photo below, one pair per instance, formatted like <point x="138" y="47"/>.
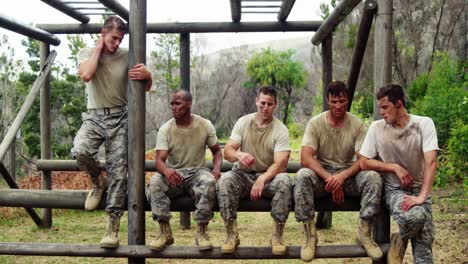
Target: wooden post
<point x="327" y="68"/>
<point x="185" y="84"/>
<point x="324" y="218"/>
<point x="382" y="48"/>
<point x="185" y="61"/>
<point x="136" y="129"/>
<point x="46" y="152"/>
<point x="12" y="160"/>
<point x="365" y="26"/>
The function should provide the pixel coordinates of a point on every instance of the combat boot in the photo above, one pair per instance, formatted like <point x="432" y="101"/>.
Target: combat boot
<point x="202" y="240"/>
<point x="165" y="237"/>
<point x="396" y="253"/>
<point x="277" y="246"/>
<point x="310" y="241"/>
<point x="111" y="239"/>
<point x="91" y="166"/>
<point x="364" y="239"/>
<point x="232" y="240"/>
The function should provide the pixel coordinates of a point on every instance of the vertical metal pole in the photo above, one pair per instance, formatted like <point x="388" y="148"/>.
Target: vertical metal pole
<point x="46" y="152"/>
<point x="185" y="61"/>
<point x="324" y="218"/>
<point x="136" y="129"/>
<point x="382" y="48"/>
<point x="327" y="68"/>
<point x="185" y="84"/>
<point x="382" y="230"/>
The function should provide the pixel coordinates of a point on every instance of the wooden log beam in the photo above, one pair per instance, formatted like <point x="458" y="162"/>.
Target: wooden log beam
<point x="285" y="9"/>
<point x="117" y="8"/>
<point x="235" y="10"/>
<point x="196" y="27"/>
<point x="370" y="7"/>
<point x="184" y="61"/>
<point x="68" y="10"/>
<point x="71" y="165"/>
<point x="28" y="102"/>
<point x="12" y="183"/>
<point x="181" y="252"/>
<point x="28" y="31"/>
<point x="74" y="199"/>
<point x="338" y="14"/>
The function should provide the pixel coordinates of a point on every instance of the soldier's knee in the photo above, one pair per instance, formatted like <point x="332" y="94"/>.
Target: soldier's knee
<point x="375" y="179"/>
<point x="156" y="181"/>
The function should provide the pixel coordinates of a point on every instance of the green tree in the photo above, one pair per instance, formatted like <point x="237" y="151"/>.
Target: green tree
<point x="277" y="68"/>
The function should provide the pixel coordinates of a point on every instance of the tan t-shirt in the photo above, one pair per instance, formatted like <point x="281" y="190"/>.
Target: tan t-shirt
<point x="404" y="146"/>
<point x="262" y="143"/>
<point x="334" y="146"/>
<point x="186" y="146"/>
<point x="108" y="87"/>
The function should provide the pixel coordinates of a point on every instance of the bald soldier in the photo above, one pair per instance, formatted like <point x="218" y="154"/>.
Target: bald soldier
<point x="180" y="162"/>
<point x="259" y="146"/>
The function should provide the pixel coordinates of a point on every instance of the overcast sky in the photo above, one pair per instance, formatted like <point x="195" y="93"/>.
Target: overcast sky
<point x="37" y="12"/>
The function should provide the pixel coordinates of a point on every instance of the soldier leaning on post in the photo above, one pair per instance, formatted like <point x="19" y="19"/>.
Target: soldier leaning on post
<point x="259" y="146"/>
<point x="180" y="161"/>
<point x="105" y="72"/>
<point x="330" y="158"/>
<point x="404" y="148"/>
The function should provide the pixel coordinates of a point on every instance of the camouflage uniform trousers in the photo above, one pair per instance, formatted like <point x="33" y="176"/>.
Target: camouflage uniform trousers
<point x="112" y="131"/>
<point x="415" y="224"/>
<point x="199" y="183"/>
<point x="307" y="185"/>
<point x="236" y="184"/>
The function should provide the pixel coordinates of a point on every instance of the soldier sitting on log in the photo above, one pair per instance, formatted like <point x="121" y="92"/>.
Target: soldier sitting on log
<point x="180" y="162"/>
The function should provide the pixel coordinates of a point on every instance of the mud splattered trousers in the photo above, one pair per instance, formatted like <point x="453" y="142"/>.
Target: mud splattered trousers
<point x="199" y="183"/>
<point x="236" y="184"/>
<point x="110" y="130"/>
<point x="307" y="185"/>
<point x="415" y="224"/>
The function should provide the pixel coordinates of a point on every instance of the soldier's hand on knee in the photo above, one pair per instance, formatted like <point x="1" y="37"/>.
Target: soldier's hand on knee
<point x="257" y="189"/>
<point x="338" y="196"/>
<point x="174" y="177"/>
<point x="405" y="177"/>
<point x="333" y="183"/>
<point x="410" y="201"/>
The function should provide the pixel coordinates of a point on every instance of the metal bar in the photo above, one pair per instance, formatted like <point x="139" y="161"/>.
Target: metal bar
<point x="136" y="128"/>
<point x="266" y="6"/>
<point x="381" y="232"/>
<point x="327" y="68"/>
<point x="262" y="0"/>
<point x="117" y="8"/>
<point x="27" y="30"/>
<point x="259" y="12"/>
<point x="12" y="183"/>
<point x="184" y="220"/>
<point x="199" y="27"/>
<point x="235" y="10"/>
<point x="182" y="252"/>
<point x="185" y="61"/>
<point x="285" y="10"/>
<point x="71" y="165"/>
<point x="382" y="48"/>
<point x="28" y="102"/>
<point x="64" y="8"/>
<point x="46" y="151"/>
<point x="75" y="199"/>
<point x="339" y="13"/>
<point x="98" y="14"/>
<point x="81" y="2"/>
<point x="90" y="8"/>
<point x="365" y="26"/>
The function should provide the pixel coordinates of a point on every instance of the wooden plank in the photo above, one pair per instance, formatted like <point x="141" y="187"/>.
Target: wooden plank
<point x="180" y="252"/>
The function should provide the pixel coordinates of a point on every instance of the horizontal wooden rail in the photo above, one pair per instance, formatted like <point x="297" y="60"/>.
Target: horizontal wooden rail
<point x="71" y="165"/>
<point x="75" y="199"/>
<point x="185" y="252"/>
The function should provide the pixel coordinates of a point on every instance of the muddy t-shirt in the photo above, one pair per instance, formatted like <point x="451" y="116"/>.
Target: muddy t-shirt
<point x="261" y="143"/>
<point x="335" y="146"/>
<point x="186" y="145"/>
<point x="404" y="146"/>
<point x="108" y="87"/>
